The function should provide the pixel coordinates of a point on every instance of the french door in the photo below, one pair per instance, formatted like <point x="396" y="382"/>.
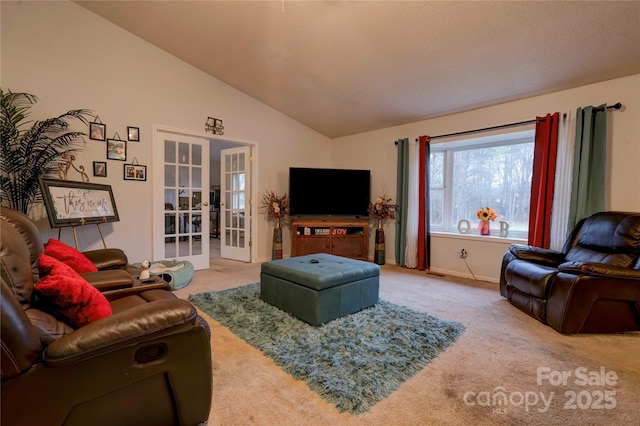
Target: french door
<point x="181" y="198"/>
<point x="235" y="205"/>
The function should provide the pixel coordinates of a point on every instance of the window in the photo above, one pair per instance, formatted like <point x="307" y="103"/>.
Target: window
<point x="492" y="171"/>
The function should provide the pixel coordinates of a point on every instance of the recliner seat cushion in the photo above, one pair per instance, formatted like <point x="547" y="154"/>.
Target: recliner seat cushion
<point x="48" y="327"/>
<point x="131" y="301"/>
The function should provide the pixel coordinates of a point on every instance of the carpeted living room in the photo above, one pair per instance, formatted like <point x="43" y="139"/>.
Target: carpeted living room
<point x="502" y="351"/>
<point x="328" y="213"/>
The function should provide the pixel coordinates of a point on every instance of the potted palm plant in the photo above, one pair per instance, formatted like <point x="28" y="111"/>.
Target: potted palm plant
<point x="32" y="149"/>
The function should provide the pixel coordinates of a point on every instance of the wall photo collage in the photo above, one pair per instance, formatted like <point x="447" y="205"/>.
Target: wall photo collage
<point x="116" y="149"/>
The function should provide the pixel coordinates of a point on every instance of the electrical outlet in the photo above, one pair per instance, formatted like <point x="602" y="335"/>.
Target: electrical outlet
<point x="463" y="254"/>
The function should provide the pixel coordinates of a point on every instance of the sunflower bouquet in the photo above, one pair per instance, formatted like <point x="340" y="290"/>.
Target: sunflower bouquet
<point x="485" y="215"/>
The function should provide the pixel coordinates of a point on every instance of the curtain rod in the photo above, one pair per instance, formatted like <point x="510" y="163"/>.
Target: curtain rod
<point x="502" y="126"/>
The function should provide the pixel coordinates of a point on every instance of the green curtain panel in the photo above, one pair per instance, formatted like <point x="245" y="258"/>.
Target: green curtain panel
<point x="402" y="194"/>
<point x="589" y="162"/>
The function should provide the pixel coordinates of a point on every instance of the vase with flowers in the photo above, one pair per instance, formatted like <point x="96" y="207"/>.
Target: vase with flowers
<point x="276" y="208"/>
<point x="485" y="215"/>
<point x="381" y="210"/>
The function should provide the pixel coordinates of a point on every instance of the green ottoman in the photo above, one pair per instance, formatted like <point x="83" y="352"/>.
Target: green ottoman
<point x="318" y="288"/>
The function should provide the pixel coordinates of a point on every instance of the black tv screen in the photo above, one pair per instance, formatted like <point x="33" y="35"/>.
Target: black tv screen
<point x="334" y="192"/>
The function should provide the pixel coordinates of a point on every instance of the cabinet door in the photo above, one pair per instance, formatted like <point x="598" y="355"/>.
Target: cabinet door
<point x="311" y="245"/>
<point x="348" y="246"/>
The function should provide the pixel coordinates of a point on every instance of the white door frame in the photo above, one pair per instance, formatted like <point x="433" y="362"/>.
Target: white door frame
<point x="253" y="205"/>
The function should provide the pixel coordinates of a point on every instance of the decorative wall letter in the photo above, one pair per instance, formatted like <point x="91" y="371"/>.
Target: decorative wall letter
<point x="504" y="229"/>
<point x="467" y="227"/>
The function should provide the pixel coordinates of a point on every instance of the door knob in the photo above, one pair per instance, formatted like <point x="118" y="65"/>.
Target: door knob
<point x="205" y="203"/>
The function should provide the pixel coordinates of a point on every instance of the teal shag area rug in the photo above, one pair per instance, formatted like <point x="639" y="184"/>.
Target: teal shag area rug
<point x="352" y="362"/>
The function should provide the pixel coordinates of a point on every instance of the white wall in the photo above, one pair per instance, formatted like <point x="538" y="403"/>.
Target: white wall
<point x="70" y="58"/>
<point x="376" y="150"/>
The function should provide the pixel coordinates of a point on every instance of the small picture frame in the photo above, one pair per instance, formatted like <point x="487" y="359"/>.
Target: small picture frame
<point x="133" y="134"/>
<point x="100" y="168"/>
<point x="98" y="131"/>
<point x="135" y="172"/>
<point x="116" y="149"/>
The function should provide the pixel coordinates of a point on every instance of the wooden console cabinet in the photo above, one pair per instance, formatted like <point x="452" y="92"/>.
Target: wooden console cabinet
<point x="346" y="237"/>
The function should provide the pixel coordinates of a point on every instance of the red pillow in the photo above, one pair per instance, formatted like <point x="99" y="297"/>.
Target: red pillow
<point x="70" y="256"/>
<point x="69" y="294"/>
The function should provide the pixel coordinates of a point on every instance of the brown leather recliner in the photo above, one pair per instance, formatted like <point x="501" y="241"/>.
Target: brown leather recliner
<point x="149" y="363"/>
<point x="114" y="270"/>
<point x="591" y="286"/>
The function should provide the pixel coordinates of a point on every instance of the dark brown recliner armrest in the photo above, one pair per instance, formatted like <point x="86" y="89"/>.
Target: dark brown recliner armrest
<point x="601" y="269"/>
<point x="537" y="255"/>
<point x="21" y="346"/>
<point x="146" y="321"/>
<point x="109" y="279"/>
<point x="112" y="258"/>
<point x="593" y="303"/>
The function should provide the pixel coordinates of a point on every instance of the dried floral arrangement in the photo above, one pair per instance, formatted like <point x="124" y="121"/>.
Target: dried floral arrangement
<point x="275" y="207"/>
<point x="382" y="209"/>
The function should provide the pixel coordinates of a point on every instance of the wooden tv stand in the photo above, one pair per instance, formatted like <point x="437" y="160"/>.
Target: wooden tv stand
<point x="347" y="237"/>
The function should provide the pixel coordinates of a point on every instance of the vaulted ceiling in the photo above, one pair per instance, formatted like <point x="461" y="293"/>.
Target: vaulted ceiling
<point x="349" y="67"/>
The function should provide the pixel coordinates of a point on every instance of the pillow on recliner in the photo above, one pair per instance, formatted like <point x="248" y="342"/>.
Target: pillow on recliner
<point x="70" y="256"/>
<point x="69" y="294"/>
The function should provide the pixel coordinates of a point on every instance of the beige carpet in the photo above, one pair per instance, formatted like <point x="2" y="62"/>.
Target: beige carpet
<point x="501" y="350"/>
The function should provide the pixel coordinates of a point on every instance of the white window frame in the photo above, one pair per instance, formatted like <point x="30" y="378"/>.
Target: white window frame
<point x="511" y="138"/>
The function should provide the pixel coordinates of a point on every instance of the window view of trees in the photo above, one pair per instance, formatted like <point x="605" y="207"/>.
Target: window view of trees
<point x="468" y="178"/>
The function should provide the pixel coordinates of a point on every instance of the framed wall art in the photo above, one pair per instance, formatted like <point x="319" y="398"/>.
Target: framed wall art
<point x="116" y="149"/>
<point x="100" y="168"/>
<point x="133" y="134"/>
<point x="135" y="172"/>
<point x="97" y="131"/>
<point x="77" y="203"/>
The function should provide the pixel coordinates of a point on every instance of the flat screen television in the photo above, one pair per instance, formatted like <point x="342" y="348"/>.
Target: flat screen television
<point x="332" y="192"/>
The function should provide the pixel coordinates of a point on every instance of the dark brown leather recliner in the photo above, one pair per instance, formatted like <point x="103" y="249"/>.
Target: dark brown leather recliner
<point x="592" y="286"/>
<point x="114" y="270"/>
<point x="149" y="363"/>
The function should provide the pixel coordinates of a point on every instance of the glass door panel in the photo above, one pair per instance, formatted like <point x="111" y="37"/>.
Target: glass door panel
<point x="183" y="223"/>
<point x="235" y="209"/>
